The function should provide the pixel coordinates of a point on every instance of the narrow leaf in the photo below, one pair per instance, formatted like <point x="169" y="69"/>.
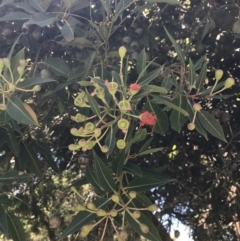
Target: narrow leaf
<point x="13" y="16"/>
<point x="12" y="142"/>
<point x="202" y="76"/>
<point x="191" y="74"/>
<point x="110" y="140"/>
<point x="94" y="105"/>
<point x="14" y="176"/>
<point x="154" y="89"/>
<point x="80" y="182"/>
<point x="42" y="19"/>
<point x="133" y="169"/>
<point x="92" y="176"/>
<point x="141" y="64"/>
<point x="37" y="5"/>
<point x="57" y="66"/>
<point x="146" y="145"/>
<point x="149" y="77"/>
<point x="33" y="81"/>
<point x="118" y="163"/>
<point x="68" y="28"/>
<point x="150" y="151"/>
<point x="3" y="221"/>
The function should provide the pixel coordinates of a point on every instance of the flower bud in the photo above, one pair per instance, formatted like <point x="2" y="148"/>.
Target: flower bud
<point x="80" y="102"/>
<point x="89" y="127"/>
<point x="85" y="230"/>
<point x="75" y="132"/>
<point x="229" y="83"/>
<point x="22" y="63"/>
<point x="132" y="194"/>
<point x="144" y="228"/>
<point x="3" y="106"/>
<point x="36" y="88"/>
<point x="97" y="132"/>
<point x="112" y="88"/>
<point x="1" y="65"/>
<point x="218" y="74"/>
<point x="100" y="93"/>
<point x="91" y="206"/>
<point x="101" y="213"/>
<point x="11" y="87"/>
<point x="82" y="143"/>
<point x="20" y="71"/>
<point x="113" y="213"/>
<point x="197" y="107"/>
<point x="134" y="89"/>
<point x="123" y="235"/>
<point x="136" y="214"/>
<point x="122" y="52"/>
<point x="73" y="147"/>
<point x="191" y="126"/>
<point x="6" y="62"/>
<point x="80" y="118"/>
<point x="90" y="144"/>
<point x="79" y="207"/>
<point x="45" y="73"/>
<point x="153" y="208"/>
<point x="124" y="106"/>
<point x="115" y="198"/>
<point x="123" y="124"/>
<point x="104" y="149"/>
<point x="121" y="144"/>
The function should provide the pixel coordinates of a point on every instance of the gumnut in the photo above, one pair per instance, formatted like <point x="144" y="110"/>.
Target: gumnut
<point x="148" y="118"/>
<point x="89" y="127"/>
<point x="79" y="207"/>
<point x="74" y="147"/>
<point x="104" y="149"/>
<point x="122" y="52"/>
<point x="191" y="126"/>
<point x="97" y="132"/>
<point x="75" y="132"/>
<point x="82" y="143"/>
<point x="100" y="92"/>
<point x="91" y="206"/>
<point x="12" y="87"/>
<point x="90" y="144"/>
<point x="101" y="213"/>
<point x="218" y="74"/>
<point x="123" y="124"/>
<point x="36" y="88"/>
<point x="112" y="88"/>
<point x="6" y="62"/>
<point x="123" y="234"/>
<point x="20" y="71"/>
<point x="144" y="228"/>
<point x="134" y="89"/>
<point x="121" y="144"/>
<point x="136" y="214"/>
<point x="80" y="118"/>
<point x="115" y="198"/>
<point x="197" y="107"/>
<point x="22" y="63"/>
<point x="3" y="106"/>
<point x="132" y="194"/>
<point x="85" y="230"/>
<point x="79" y="101"/>
<point x="113" y="213"/>
<point x="124" y="106"/>
<point x="153" y="208"/>
<point x="229" y="83"/>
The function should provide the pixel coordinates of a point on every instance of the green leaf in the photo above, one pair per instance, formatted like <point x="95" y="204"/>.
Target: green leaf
<point x="33" y="81"/>
<point x="146" y="145"/>
<point x="110" y="140"/>
<point x="152" y="172"/>
<point x="13" y="16"/>
<point x="162" y="100"/>
<point x="22" y="160"/>
<point x="149" y="151"/>
<point x="81" y="181"/>
<point x="94" y="105"/>
<point x="12" y="142"/>
<point x="141" y="64"/>
<point x="139" y="136"/>
<point x="209" y="122"/>
<point x="164" y="1"/>
<point x="17" y="111"/>
<point x="92" y="176"/>
<point x="105" y="5"/>
<point x="143" y="199"/>
<point x="118" y="163"/>
<point x="15" y="63"/>
<point x="191" y="74"/>
<point x="202" y="76"/>
<point x="36" y="4"/>
<point x="3" y="221"/>
<point x="88" y="64"/>
<point x="68" y="28"/>
<point x="199" y="62"/>
<point x="149" y="77"/>
<point x="152" y="235"/>
<point x="16" y="229"/>
<point x="177" y="49"/>
<point x="84" y="217"/>
<point x="177" y="119"/>
<point x="205" y="30"/>
<point x="162" y="124"/>
<point x="154" y="89"/>
<point x="57" y="66"/>
<point x="122" y="5"/>
<point x="142" y="184"/>
<point x="133" y="169"/>
<point x="13" y="176"/>
<point x="42" y="19"/>
<point x="5" y="2"/>
<point x="105" y="179"/>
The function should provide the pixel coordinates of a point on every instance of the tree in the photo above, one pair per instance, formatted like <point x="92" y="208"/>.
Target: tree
<point x="150" y="85"/>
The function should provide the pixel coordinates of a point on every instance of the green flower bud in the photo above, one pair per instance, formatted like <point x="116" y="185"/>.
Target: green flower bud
<point x="91" y="206"/>
<point x="197" y="107"/>
<point x="90" y="144"/>
<point x="75" y="132"/>
<point x="218" y="74"/>
<point x="100" y="93"/>
<point x="3" y="106"/>
<point x="79" y="207"/>
<point x="132" y="194"/>
<point x="153" y="208"/>
<point x="123" y="124"/>
<point x="80" y="118"/>
<point x="229" y="83"/>
<point x="124" y="106"/>
<point x="97" y="132"/>
<point x="89" y="127"/>
<point x="136" y="214"/>
<point x="6" y="62"/>
<point x="20" y="71"/>
<point x="101" y="213"/>
<point x="122" y="52"/>
<point x="123" y="235"/>
<point x="115" y="198"/>
<point x="73" y="147"/>
<point x="1" y="65"/>
<point x="84" y="96"/>
<point x="144" y="228"/>
<point x="22" y="63"/>
<point x="121" y="144"/>
<point x="11" y="87"/>
<point x="104" y="149"/>
<point x="191" y="126"/>
<point x="82" y="132"/>
<point x="36" y="88"/>
<point x="112" y="88"/>
<point x="113" y="213"/>
<point x="80" y="102"/>
<point x="82" y="143"/>
<point x="85" y="230"/>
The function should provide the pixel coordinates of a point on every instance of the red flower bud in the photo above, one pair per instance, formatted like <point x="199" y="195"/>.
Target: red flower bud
<point x="134" y="89"/>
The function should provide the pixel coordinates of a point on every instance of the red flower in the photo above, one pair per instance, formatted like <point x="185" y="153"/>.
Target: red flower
<point x="148" y="118"/>
<point x="134" y="88"/>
